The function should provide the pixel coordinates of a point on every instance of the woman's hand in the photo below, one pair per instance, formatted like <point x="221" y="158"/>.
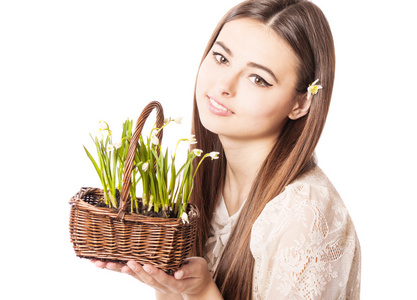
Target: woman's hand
<point x="193" y="280"/>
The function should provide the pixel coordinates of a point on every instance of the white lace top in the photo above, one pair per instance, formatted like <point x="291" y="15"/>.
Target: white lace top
<point x="304" y="243"/>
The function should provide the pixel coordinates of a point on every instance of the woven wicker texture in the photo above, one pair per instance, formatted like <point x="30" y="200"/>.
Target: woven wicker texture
<point x="116" y="235"/>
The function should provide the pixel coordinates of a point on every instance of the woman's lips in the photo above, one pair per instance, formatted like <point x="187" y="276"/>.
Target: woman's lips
<point x="216" y="108"/>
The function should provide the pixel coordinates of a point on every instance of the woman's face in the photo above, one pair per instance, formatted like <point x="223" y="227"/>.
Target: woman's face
<point x="246" y="84"/>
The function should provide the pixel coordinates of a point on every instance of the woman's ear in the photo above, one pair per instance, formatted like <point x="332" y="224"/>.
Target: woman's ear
<point x="301" y="107"/>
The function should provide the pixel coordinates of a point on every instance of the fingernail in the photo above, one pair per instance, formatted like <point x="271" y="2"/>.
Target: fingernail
<point x="179" y="274"/>
<point x="111" y="266"/>
<point x="147" y="269"/>
<point x="131" y="265"/>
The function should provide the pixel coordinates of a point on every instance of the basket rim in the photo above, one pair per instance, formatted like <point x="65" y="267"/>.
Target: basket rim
<point x="77" y="201"/>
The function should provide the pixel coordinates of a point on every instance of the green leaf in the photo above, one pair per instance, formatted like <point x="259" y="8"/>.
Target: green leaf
<point x="93" y="161"/>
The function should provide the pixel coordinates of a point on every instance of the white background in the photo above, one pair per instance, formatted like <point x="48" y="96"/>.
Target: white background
<point x="65" y="65"/>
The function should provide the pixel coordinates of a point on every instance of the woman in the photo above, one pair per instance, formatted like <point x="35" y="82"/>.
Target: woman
<point x="272" y="225"/>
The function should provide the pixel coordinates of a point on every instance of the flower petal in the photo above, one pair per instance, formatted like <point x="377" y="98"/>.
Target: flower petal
<point x="197" y="152"/>
<point x="154" y="139"/>
<point x="184" y="218"/>
<point x="118" y="144"/>
<point x="214" y="155"/>
<point x="178" y="120"/>
<point x="103" y="126"/>
<point x="145" y="167"/>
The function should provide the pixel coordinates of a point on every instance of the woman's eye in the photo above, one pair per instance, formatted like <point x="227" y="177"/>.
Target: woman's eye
<point x="258" y="80"/>
<point x="220" y="59"/>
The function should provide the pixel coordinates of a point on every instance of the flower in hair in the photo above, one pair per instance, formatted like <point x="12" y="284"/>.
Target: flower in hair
<point x="313" y="89"/>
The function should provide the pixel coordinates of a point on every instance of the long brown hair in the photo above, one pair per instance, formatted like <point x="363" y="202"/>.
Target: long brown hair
<point x="304" y="27"/>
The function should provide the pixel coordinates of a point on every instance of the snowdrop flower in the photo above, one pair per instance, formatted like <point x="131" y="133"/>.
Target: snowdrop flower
<point x="154" y="138"/>
<point x="313" y="89"/>
<point x="118" y="144"/>
<point x="192" y="140"/>
<point x="110" y="147"/>
<point x="167" y="120"/>
<point x="102" y="126"/>
<point x="184" y="218"/>
<point x="177" y="120"/>
<point x="214" y="155"/>
<point x="145" y="167"/>
<point x="197" y="152"/>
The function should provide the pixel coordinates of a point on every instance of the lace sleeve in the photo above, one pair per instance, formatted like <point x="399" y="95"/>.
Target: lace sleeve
<point x="305" y="247"/>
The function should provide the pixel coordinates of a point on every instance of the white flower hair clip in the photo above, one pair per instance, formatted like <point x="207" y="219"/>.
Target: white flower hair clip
<point x="313" y="89"/>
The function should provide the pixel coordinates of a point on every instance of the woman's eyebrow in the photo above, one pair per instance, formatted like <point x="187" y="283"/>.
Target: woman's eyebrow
<point x="225" y="48"/>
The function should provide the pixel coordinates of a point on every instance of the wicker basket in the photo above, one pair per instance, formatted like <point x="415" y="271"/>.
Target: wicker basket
<point x="116" y="235"/>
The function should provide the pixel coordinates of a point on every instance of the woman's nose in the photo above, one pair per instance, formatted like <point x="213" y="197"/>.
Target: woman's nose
<point x="227" y="83"/>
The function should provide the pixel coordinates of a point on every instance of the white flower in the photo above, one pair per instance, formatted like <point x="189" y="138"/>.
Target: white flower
<point x="184" y="218"/>
<point x="102" y="126"/>
<point x="167" y="120"/>
<point x="197" y="152"/>
<point x="214" y="155"/>
<point x="145" y="167"/>
<point x="154" y="138"/>
<point x="177" y="120"/>
<point x="313" y="89"/>
<point x="118" y="144"/>
<point x="192" y="140"/>
<point x="111" y="147"/>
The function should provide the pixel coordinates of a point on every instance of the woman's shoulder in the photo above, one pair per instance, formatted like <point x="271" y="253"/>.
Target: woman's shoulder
<point x="312" y="189"/>
<point x="310" y="204"/>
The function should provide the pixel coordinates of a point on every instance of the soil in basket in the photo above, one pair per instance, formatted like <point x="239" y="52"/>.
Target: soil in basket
<point x="147" y="212"/>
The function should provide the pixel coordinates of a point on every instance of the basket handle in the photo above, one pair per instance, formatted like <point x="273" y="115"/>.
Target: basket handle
<point x="130" y="158"/>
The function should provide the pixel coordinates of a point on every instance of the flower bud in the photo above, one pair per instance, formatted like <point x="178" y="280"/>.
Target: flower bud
<point x="145" y="167"/>
<point x="184" y="218"/>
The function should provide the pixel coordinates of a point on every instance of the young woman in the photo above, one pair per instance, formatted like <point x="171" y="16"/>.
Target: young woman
<point x="272" y="225"/>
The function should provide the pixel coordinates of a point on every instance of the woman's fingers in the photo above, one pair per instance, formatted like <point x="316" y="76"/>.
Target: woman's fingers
<point x="99" y="264"/>
<point x="136" y="270"/>
<point x="159" y="276"/>
<point x="192" y="278"/>
<point x="114" y="266"/>
<point x="193" y="267"/>
<point x="155" y="278"/>
<point x="107" y="265"/>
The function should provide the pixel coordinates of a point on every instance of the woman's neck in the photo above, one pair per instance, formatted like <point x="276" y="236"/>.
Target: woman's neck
<point x="244" y="158"/>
